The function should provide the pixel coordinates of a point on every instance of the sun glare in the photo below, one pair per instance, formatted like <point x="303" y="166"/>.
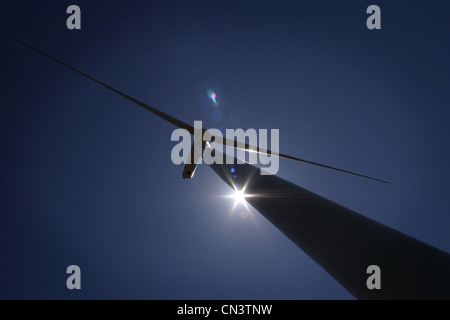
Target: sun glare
<point x="239" y="196"/>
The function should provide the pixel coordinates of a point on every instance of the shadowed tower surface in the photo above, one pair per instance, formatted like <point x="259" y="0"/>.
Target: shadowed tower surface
<point x="343" y="242"/>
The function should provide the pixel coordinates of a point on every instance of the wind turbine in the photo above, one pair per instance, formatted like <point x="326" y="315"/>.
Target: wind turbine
<point x="341" y="241"/>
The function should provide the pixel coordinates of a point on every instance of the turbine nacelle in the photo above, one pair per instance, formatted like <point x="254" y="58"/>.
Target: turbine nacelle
<point x="193" y="159"/>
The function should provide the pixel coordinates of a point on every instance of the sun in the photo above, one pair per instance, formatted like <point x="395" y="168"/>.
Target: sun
<point x="239" y="196"/>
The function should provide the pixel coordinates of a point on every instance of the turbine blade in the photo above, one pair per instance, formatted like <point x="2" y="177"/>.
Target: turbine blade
<point x="249" y="148"/>
<point x="180" y="124"/>
<point x="165" y="116"/>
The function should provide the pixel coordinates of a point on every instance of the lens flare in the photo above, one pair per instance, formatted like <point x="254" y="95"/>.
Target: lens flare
<point x="213" y="96"/>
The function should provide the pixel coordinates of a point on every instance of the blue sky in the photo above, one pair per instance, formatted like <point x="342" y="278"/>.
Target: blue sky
<point x="87" y="177"/>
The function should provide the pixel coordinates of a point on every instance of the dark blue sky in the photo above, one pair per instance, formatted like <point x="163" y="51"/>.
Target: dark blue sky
<point x="87" y="177"/>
